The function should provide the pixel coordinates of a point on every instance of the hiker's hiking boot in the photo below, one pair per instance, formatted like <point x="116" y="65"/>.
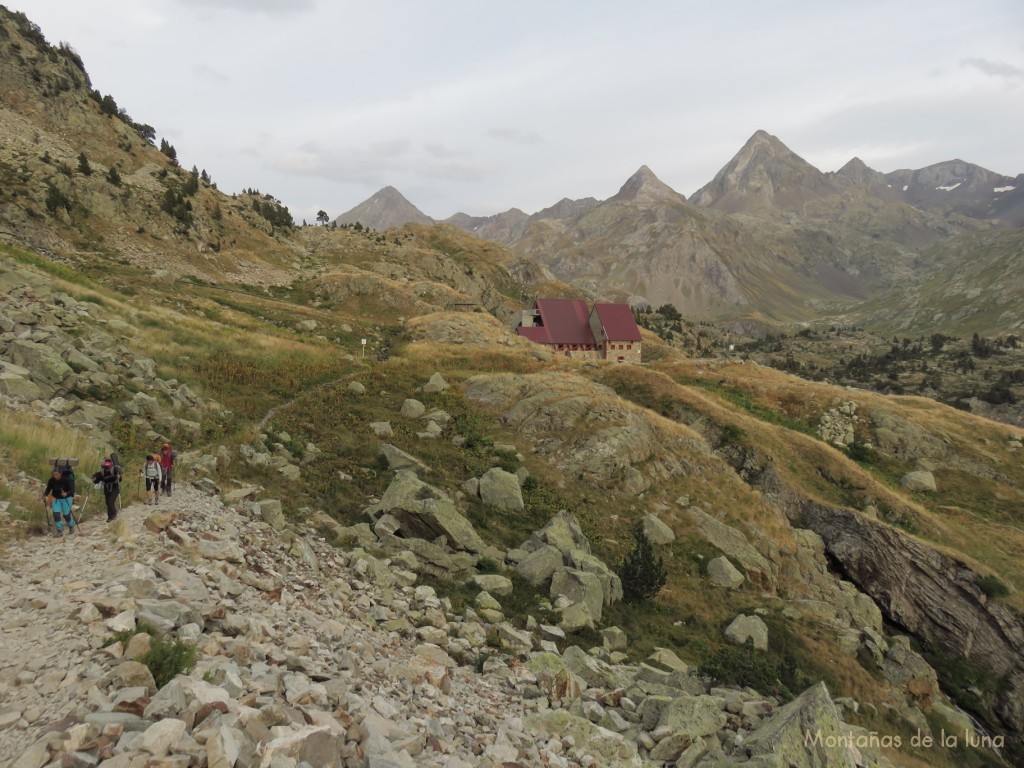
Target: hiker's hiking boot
<point x="58" y="533"/>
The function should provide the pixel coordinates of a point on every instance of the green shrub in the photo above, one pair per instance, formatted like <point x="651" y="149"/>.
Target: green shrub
<point x="488" y="565"/>
<point x="731" y="434"/>
<point x="992" y="586"/>
<point x="742" y="666"/>
<point x="168" y="658"/>
<point x="642" y="573"/>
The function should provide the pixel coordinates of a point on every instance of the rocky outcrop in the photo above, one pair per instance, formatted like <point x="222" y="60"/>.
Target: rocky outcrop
<point x="735" y="545"/>
<point x="933" y="595"/>
<point x="581" y="583"/>
<point x="811" y="717"/>
<point x="584" y="429"/>
<point x="421" y="511"/>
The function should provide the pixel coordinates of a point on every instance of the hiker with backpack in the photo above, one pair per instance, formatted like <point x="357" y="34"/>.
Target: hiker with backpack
<point x="59" y="496"/>
<point x="168" y="458"/>
<point x="154" y="476"/>
<point x="109" y="478"/>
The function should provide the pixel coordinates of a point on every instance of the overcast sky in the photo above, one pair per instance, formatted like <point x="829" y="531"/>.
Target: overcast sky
<point x="479" y="107"/>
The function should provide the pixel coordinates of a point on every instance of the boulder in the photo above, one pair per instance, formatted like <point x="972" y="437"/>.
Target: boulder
<point x="413" y="409"/>
<point x="922" y="480"/>
<point x="501" y="489"/>
<point x="656" y="531"/>
<point x="381" y="428"/>
<point x="614" y="639"/>
<point x="724" y="574"/>
<point x="736" y="546"/>
<point x="356" y="388"/>
<point x="540" y="565"/>
<point x="611" y="583"/>
<point x="271" y="511"/>
<point x="748" y="628"/>
<point x="424" y="512"/>
<point x="563" y="532"/>
<point x="435" y="384"/>
<point x="19" y="388"/>
<point x="579" y="587"/>
<point x="595" y="672"/>
<point x="398" y="459"/>
<point x="576" y="617"/>
<point x="609" y="749"/>
<point x="43" y="362"/>
<point x="806" y="733"/>
<point x="494" y="583"/>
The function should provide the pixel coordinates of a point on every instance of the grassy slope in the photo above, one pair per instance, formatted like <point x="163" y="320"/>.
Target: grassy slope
<point x="244" y="350"/>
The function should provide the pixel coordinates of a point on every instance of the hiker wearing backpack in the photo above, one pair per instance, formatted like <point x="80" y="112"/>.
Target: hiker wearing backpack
<point x="153" y="474"/>
<point x="109" y="478"/>
<point x="168" y="458"/>
<point x="60" y="495"/>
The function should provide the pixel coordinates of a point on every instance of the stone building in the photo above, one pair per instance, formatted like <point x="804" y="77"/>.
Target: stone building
<point x="567" y="327"/>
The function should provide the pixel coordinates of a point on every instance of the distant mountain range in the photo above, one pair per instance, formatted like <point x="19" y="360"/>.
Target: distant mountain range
<point x="772" y="238"/>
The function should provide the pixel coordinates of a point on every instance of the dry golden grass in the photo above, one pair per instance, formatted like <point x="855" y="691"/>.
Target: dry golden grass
<point x="28" y="441"/>
<point x="986" y="543"/>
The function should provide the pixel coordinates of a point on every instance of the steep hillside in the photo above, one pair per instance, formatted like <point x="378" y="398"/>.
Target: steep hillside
<point x="79" y="176"/>
<point x="454" y="493"/>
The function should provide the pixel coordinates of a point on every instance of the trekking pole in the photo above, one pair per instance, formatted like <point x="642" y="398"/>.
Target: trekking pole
<point x="81" y="512"/>
<point x="47" y="513"/>
<point x="71" y="511"/>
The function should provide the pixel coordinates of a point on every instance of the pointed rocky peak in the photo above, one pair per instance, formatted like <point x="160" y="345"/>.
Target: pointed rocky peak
<point x="764" y="174"/>
<point x="644" y="187"/>
<point x="857" y="173"/>
<point x="384" y="209"/>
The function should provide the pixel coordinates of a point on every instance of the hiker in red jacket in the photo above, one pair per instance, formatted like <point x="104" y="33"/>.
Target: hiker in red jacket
<point x="167" y="460"/>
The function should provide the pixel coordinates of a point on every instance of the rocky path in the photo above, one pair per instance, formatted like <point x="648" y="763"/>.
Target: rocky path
<point x="305" y="653"/>
<point x="310" y="656"/>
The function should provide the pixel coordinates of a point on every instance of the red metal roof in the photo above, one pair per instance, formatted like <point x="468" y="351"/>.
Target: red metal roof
<point x="567" y="321"/>
<point x="618" y="322"/>
<point x="538" y="334"/>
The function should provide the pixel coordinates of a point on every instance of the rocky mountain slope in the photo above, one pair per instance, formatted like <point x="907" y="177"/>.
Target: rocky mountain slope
<point x="773" y="239"/>
<point x="384" y="209"/>
<point x="335" y="659"/>
<point x="409" y="553"/>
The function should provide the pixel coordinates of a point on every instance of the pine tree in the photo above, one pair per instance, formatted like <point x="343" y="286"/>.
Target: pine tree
<point x="83" y="164"/>
<point x="642" y="573"/>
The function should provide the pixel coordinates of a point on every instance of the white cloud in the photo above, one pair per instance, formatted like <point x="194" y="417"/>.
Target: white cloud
<point x="514" y="135"/>
<point x="258" y="6"/>
<point x="480" y="108"/>
<point x="994" y="68"/>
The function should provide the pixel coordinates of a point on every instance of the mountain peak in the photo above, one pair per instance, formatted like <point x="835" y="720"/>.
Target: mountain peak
<point x="857" y="173"/>
<point x="644" y="187"/>
<point x="764" y="174"/>
<point x="386" y="208"/>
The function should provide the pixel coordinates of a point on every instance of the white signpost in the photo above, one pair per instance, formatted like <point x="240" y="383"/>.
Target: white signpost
<point x="363" y="342"/>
